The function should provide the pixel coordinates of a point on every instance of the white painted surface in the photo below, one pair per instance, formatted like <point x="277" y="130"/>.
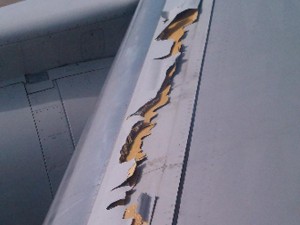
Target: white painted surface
<point x="244" y="166"/>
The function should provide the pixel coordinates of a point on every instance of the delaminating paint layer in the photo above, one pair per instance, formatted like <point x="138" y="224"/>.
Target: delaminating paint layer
<point x="132" y="148"/>
<point x="176" y="30"/>
<point x="138" y="212"/>
<point x="131" y="213"/>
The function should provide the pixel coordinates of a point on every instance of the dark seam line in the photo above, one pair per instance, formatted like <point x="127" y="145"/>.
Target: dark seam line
<point x="12" y="84"/>
<point x="65" y="112"/>
<point x="80" y="73"/>
<point x="188" y="145"/>
<point x="41" y="146"/>
<point x="35" y="92"/>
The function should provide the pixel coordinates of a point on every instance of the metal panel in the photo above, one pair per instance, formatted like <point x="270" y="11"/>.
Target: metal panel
<point x="92" y="44"/>
<point x="79" y="95"/>
<point x="60" y="33"/>
<point x="54" y="132"/>
<point x="24" y="189"/>
<point x="11" y="62"/>
<point x="159" y="175"/>
<point x="54" y="16"/>
<point x="37" y="145"/>
<point x="243" y="166"/>
<point x="98" y="40"/>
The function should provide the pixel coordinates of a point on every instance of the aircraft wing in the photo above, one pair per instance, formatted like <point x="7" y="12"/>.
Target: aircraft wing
<point x="197" y="120"/>
<point x="188" y="129"/>
<point x="133" y="150"/>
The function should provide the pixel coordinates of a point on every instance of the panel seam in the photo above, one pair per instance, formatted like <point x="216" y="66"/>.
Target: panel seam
<point x="40" y="143"/>
<point x="65" y="112"/>
<point x="188" y="145"/>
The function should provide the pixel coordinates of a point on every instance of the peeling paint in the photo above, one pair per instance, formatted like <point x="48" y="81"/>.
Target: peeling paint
<point x="131" y="213"/>
<point x="122" y="201"/>
<point x="124" y="172"/>
<point x="132" y="148"/>
<point x="173" y="8"/>
<point x="132" y="177"/>
<point x="176" y="29"/>
<point x="132" y="170"/>
<point x="139" y="213"/>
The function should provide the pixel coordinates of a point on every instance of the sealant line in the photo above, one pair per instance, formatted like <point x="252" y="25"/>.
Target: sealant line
<point x="188" y="145"/>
